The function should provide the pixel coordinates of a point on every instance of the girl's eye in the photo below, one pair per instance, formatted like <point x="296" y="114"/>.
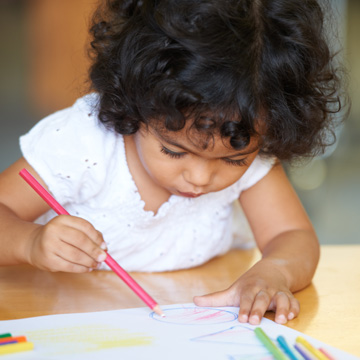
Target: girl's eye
<point x="240" y="162"/>
<point x="173" y="154"/>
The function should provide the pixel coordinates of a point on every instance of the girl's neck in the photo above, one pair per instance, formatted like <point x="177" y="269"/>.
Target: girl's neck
<point x="151" y="193"/>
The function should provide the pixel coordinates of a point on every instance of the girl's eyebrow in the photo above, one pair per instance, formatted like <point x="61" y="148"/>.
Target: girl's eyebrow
<point x="172" y="142"/>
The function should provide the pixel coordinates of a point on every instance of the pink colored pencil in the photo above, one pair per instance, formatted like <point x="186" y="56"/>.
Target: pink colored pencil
<point x="113" y="265"/>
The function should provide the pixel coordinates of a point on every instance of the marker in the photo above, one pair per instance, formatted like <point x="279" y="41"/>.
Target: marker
<point x="113" y="265"/>
<point x="286" y="347"/>
<point x="13" y="348"/>
<point x="278" y="355"/>
<point x="5" y="335"/>
<point x="318" y="354"/>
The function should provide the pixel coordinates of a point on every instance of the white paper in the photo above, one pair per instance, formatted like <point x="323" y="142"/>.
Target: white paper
<point x="187" y="332"/>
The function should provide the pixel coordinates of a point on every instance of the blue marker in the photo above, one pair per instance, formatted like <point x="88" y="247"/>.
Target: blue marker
<point x="287" y="349"/>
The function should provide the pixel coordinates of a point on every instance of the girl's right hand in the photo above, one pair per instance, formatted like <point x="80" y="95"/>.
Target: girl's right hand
<point x="66" y="243"/>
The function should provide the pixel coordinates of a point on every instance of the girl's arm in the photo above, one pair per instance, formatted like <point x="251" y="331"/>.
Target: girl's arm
<point x="289" y="247"/>
<point x="66" y="243"/>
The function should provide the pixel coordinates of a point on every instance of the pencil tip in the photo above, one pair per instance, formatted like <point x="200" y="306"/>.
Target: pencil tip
<point x="158" y="311"/>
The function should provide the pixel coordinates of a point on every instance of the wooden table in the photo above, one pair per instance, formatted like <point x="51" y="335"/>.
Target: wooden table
<point x="330" y="305"/>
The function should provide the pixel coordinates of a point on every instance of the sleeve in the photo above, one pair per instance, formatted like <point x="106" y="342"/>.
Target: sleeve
<point x="256" y="171"/>
<point x="71" y="152"/>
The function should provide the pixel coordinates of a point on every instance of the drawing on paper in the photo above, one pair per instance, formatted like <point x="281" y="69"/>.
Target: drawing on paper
<point x="237" y="335"/>
<point x="243" y="337"/>
<point x="195" y="316"/>
<point x="85" y="338"/>
<point x="189" y="332"/>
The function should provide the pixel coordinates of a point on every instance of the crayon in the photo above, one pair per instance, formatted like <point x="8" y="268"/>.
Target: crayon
<point x="278" y="355"/>
<point x="5" y="335"/>
<point x="13" y="348"/>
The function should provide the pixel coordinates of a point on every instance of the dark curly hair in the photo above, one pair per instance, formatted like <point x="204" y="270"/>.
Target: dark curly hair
<point x="240" y="68"/>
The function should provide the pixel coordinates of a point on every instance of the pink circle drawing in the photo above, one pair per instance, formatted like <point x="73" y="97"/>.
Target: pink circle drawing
<point x="195" y="316"/>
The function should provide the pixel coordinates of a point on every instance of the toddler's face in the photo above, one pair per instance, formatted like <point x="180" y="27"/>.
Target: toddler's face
<point x="174" y="162"/>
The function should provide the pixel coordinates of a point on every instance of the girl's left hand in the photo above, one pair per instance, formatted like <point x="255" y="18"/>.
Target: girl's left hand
<point x="260" y="289"/>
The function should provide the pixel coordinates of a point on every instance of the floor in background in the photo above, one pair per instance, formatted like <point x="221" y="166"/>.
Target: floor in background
<point x="333" y="205"/>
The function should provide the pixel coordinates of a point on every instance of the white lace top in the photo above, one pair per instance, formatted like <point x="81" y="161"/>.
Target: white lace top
<point x="84" y="166"/>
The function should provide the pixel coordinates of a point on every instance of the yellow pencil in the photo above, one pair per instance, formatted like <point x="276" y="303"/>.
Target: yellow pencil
<point x="317" y="353"/>
<point x="14" y="348"/>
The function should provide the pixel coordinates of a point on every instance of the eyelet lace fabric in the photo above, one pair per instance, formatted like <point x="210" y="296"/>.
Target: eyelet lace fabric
<point x="84" y="166"/>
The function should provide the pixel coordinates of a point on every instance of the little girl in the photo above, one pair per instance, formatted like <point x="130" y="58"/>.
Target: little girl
<point x="194" y="105"/>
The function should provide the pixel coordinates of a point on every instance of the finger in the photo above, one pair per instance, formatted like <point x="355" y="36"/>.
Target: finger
<point x="85" y="227"/>
<point x="79" y="243"/>
<point x="219" y="298"/>
<point x="294" y="308"/>
<point x="246" y="303"/>
<point x="282" y="304"/>
<point x="261" y="303"/>
<point x="73" y="255"/>
<point x="60" y="264"/>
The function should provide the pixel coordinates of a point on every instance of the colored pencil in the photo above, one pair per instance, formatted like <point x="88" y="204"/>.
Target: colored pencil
<point x="278" y="355"/>
<point x="318" y="354"/>
<point x="13" y="348"/>
<point x="114" y="266"/>
<point x="286" y="348"/>
<point x="304" y="352"/>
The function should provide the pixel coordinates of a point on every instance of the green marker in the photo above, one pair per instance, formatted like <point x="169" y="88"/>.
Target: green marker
<point x="5" y="335"/>
<point x="278" y="355"/>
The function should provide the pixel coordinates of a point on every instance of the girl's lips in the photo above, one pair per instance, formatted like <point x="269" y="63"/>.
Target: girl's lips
<point x="190" y="195"/>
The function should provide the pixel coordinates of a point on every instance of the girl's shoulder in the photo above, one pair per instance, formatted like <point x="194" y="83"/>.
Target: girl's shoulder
<point x="82" y="115"/>
<point x="73" y="127"/>
<point x="256" y="171"/>
<point x="71" y="150"/>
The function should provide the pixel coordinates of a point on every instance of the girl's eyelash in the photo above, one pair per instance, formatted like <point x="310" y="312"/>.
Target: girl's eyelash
<point x="240" y="162"/>
<point x="170" y="153"/>
<point x="176" y="155"/>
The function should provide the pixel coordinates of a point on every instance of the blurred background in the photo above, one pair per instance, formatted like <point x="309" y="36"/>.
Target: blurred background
<point x="43" y="66"/>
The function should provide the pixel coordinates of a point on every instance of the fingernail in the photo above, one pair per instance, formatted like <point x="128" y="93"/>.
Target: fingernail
<point x="254" y="320"/>
<point x="291" y="316"/>
<point x="101" y="257"/>
<point x="103" y="246"/>
<point x="91" y="269"/>
<point x="281" y="319"/>
<point x="243" y="318"/>
<point x="98" y="266"/>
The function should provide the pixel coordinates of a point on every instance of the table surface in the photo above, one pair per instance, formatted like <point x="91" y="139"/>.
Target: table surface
<point x="329" y="306"/>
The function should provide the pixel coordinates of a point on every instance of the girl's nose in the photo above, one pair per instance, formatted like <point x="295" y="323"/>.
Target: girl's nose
<point x="199" y="173"/>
